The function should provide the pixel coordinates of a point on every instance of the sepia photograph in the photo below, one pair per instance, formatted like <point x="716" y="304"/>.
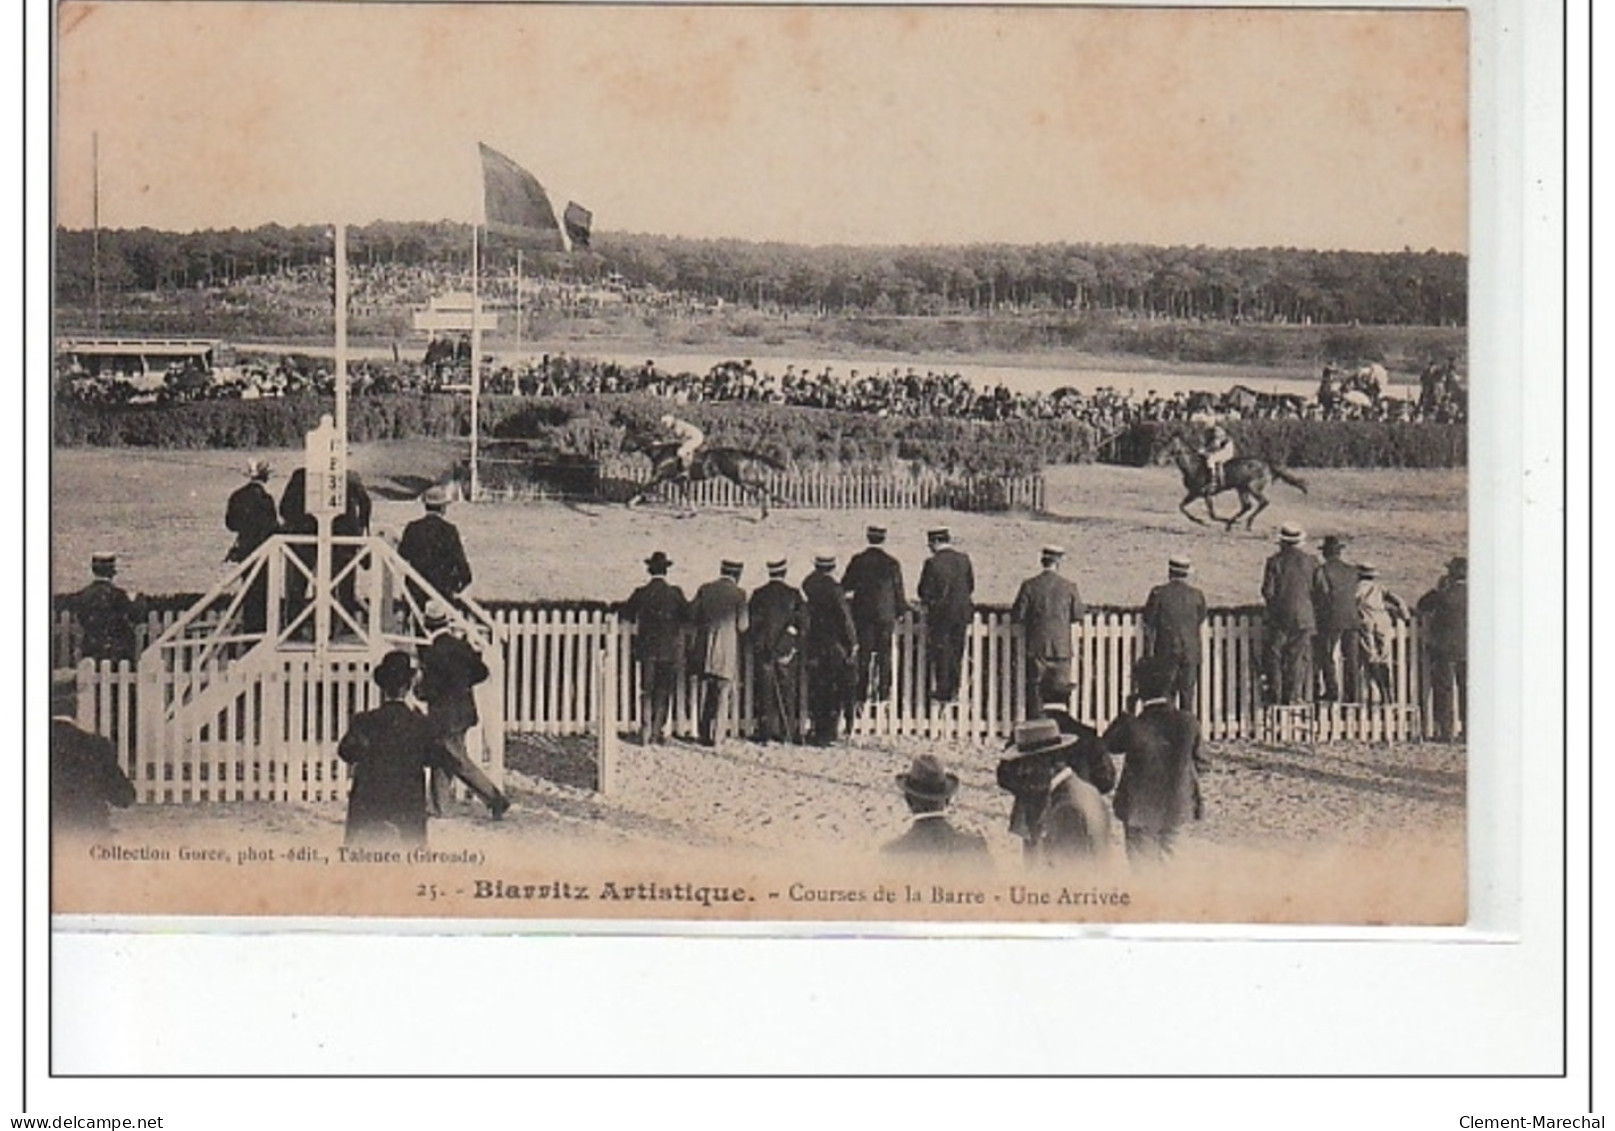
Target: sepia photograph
<point x="983" y="467"/>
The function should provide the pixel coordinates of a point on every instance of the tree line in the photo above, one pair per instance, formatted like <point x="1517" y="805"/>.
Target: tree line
<point x="1196" y="283"/>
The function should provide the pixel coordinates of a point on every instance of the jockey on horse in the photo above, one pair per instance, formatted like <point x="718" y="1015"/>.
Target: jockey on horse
<point x="688" y="437"/>
<point x="1216" y="449"/>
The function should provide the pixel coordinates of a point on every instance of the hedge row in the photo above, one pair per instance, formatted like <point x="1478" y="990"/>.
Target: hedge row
<point x="1312" y="443"/>
<point x="597" y="425"/>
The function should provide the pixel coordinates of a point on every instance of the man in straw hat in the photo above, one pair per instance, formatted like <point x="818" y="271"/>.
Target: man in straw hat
<point x="1163" y="758"/>
<point x="390" y="749"/>
<point x="947" y="588"/>
<point x="874" y="586"/>
<point x="1058" y="777"/>
<point x="1046" y="607"/>
<point x="85" y="776"/>
<point x="450" y="668"/>
<point x="1291" y="619"/>
<point x="106" y="615"/>
<point x="720" y="616"/>
<point x="1173" y="616"/>
<point x="431" y="545"/>
<point x="1444" y="617"/>
<point x="660" y="612"/>
<point x="778" y="614"/>
<point x="1334" y="599"/>
<point x="832" y="647"/>
<point x="928" y="787"/>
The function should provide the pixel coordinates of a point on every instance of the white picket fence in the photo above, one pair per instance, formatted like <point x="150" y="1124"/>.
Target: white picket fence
<point x="569" y="671"/>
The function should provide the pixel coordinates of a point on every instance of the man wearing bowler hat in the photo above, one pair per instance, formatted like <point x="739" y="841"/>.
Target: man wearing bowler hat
<point x="928" y="788"/>
<point x="947" y="585"/>
<point x="1163" y="758"/>
<point x="720" y="616"/>
<point x="85" y="776"/>
<point x="1173" y="616"/>
<point x="251" y="516"/>
<point x="390" y="750"/>
<point x="1058" y="777"/>
<point x="874" y="587"/>
<point x="106" y="615"/>
<point x="1334" y="597"/>
<point x="1291" y="619"/>
<point x="431" y="544"/>
<point x="832" y="645"/>
<point x="778" y="614"/>
<point x="1046" y="607"/>
<point x="660" y="612"/>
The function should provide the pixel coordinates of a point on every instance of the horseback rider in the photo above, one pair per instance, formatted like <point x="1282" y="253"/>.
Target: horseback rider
<point x="1216" y="450"/>
<point x="690" y="438"/>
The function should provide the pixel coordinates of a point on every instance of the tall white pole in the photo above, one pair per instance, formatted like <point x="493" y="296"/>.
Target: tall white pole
<point x="476" y="356"/>
<point x="342" y="334"/>
<point x="95" y="238"/>
<point x="518" y="304"/>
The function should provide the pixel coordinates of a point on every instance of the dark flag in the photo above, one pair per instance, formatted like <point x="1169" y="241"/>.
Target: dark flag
<point x="516" y="203"/>
<point x="577" y="224"/>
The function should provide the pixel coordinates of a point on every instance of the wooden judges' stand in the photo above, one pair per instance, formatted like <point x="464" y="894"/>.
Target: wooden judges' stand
<point x="247" y="694"/>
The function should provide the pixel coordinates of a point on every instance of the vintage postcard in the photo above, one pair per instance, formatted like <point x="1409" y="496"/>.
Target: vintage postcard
<point x="568" y="463"/>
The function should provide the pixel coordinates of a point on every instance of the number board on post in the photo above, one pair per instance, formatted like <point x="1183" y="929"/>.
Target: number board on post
<point x="327" y="470"/>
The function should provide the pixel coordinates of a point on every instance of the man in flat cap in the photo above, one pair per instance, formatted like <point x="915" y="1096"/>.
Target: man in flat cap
<point x="1174" y="614"/>
<point x="874" y="587"/>
<point x="1046" y="607"/>
<point x="1291" y="619"/>
<point x="1334" y="599"/>
<point x="832" y="647"/>
<point x="431" y="544"/>
<point x="1163" y="758"/>
<point x="778" y="613"/>
<point x="928" y="788"/>
<point x="251" y="516"/>
<point x="106" y="615"/>
<point x="721" y="617"/>
<point x="947" y="588"/>
<point x="660" y="612"/>
<point x="1444" y="619"/>
<point x="450" y="668"/>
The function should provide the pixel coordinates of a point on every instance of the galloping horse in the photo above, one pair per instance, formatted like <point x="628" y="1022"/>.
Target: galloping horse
<point x="708" y="463"/>
<point x="1247" y="475"/>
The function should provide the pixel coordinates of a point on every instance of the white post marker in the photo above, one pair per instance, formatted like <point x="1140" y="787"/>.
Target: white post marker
<point x="325" y="496"/>
<point x="476" y="356"/>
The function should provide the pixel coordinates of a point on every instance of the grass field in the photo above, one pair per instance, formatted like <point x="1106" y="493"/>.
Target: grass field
<point x="163" y="513"/>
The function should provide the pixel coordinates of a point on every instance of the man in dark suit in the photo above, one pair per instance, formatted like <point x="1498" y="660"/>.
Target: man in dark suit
<point x="390" y="750"/>
<point x="250" y="514"/>
<point x="1173" y="616"/>
<point x="431" y="545"/>
<point x="721" y="618"/>
<point x="85" y="776"/>
<point x="778" y="614"/>
<point x="928" y="787"/>
<point x="450" y="668"/>
<point x="874" y="586"/>
<point x="1163" y="756"/>
<point x="106" y="615"/>
<point x="1291" y="620"/>
<point x="1334" y="599"/>
<point x="1444" y="623"/>
<point x="947" y="585"/>
<point x="832" y="645"/>
<point x="660" y="612"/>
<point x="1046" y="607"/>
<point x="1058" y="776"/>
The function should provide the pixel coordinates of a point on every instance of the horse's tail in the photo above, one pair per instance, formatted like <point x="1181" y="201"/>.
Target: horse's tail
<point x="1284" y="475"/>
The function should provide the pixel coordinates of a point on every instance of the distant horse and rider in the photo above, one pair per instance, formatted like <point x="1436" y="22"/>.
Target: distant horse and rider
<point x="1247" y="475"/>
<point x="687" y="460"/>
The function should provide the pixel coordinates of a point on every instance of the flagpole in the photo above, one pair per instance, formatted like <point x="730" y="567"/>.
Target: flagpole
<point x="342" y="334"/>
<point x="95" y="239"/>
<point x="518" y="304"/>
<point x="476" y="357"/>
